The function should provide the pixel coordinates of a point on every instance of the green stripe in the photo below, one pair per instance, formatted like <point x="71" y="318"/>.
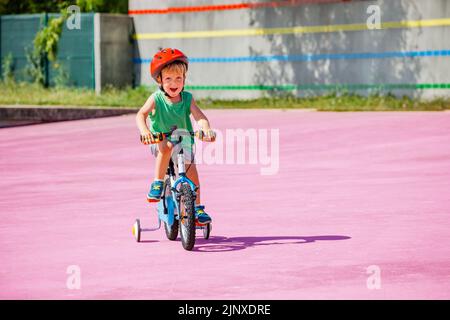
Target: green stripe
<point x="289" y="87"/>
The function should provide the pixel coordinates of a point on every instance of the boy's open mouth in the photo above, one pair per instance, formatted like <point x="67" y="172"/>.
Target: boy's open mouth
<point x="173" y="89"/>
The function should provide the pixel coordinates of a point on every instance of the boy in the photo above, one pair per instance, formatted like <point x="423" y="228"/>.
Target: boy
<point x="169" y="106"/>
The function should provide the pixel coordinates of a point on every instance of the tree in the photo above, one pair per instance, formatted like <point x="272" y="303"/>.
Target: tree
<point x="35" y="6"/>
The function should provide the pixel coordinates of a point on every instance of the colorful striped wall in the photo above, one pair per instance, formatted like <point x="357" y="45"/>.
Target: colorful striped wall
<point x="303" y="47"/>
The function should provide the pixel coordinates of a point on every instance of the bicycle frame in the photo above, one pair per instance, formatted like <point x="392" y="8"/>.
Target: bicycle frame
<point x="167" y="207"/>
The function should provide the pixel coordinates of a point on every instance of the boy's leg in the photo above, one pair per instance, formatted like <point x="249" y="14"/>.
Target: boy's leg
<point x="191" y="172"/>
<point x="162" y="161"/>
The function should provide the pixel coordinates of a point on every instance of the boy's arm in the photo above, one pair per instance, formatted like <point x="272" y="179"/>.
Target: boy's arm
<point x="141" y="120"/>
<point x="202" y="121"/>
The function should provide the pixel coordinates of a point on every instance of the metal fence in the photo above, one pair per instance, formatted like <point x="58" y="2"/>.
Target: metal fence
<point x="75" y="49"/>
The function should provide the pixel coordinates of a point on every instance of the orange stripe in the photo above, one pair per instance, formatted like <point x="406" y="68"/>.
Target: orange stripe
<point x="237" y="6"/>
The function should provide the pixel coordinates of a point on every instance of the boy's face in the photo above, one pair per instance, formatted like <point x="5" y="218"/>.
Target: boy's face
<point x="172" y="82"/>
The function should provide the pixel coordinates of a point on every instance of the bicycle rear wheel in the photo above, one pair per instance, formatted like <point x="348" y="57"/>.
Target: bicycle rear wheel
<point x="187" y="217"/>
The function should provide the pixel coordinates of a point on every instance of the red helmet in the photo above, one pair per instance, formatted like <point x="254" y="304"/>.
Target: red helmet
<point x="163" y="58"/>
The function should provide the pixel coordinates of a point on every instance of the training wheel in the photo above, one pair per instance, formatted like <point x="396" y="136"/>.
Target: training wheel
<point x="137" y="230"/>
<point x="207" y="231"/>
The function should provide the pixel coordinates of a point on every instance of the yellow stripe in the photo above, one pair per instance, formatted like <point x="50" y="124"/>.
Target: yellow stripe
<point x="291" y="30"/>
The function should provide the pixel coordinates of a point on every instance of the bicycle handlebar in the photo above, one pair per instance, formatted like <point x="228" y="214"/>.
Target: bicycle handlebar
<point x="158" y="137"/>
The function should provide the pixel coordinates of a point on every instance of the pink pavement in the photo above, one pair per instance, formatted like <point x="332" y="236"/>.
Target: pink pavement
<point x="353" y="190"/>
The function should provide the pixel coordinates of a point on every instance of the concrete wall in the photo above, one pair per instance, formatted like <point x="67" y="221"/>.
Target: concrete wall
<point x="409" y="57"/>
<point x="113" y="50"/>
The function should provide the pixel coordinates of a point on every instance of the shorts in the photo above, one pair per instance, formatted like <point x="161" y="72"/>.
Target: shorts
<point x="189" y="153"/>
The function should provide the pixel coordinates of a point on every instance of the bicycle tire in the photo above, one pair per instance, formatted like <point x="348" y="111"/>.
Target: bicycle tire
<point x="187" y="219"/>
<point x="207" y="231"/>
<point x="171" y="231"/>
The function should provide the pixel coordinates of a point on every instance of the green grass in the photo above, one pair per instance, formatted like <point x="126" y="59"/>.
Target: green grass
<point x="335" y="102"/>
<point x="28" y="94"/>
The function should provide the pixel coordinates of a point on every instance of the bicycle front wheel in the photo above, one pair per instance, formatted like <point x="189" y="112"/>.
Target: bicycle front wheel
<point x="187" y="217"/>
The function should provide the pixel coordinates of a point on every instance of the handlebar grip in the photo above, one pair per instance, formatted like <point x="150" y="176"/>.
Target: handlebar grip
<point x="157" y="137"/>
<point x="200" y="134"/>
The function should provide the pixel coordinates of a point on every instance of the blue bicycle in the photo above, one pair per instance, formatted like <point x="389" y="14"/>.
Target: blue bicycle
<point x="177" y="205"/>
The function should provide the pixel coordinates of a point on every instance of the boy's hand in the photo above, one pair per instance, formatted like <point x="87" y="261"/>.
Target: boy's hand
<point x="149" y="138"/>
<point x="146" y="138"/>
<point x="209" y="135"/>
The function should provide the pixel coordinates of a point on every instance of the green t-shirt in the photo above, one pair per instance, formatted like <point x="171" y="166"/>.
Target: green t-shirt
<point x="168" y="114"/>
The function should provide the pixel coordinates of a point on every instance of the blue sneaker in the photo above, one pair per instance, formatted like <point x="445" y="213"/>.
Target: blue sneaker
<point x="156" y="189"/>
<point x="201" y="215"/>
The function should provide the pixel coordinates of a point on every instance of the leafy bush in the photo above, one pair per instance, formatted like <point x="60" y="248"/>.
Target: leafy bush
<point x="8" y="69"/>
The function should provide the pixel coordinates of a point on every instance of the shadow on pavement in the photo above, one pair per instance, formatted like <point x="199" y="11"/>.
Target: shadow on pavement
<point x="149" y="241"/>
<point x="221" y="243"/>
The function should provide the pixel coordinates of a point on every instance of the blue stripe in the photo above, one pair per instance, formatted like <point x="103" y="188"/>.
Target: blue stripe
<point x="316" y="57"/>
